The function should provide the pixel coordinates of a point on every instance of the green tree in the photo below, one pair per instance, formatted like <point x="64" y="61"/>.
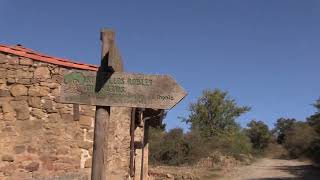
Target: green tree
<point x="314" y="122"/>
<point x="299" y="139"/>
<point x="214" y="113"/>
<point x="259" y="134"/>
<point x="281" y="127"/>
<point x="156" y="136"/>
<point x="175" y="148"/>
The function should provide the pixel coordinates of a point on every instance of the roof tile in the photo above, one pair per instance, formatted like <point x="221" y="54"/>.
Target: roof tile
<point x="29" y="53"/>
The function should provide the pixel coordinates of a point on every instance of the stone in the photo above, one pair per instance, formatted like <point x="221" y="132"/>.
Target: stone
<point x="34" y="101"/>
<point x="7" y="108"/>
<point x="90" y="135"/>
<point x="55" y="70"/>
<point x="88" y="163"/>
<point x="53" y="118"/>
<point x="85" y="121"/>
<point x="35" y="81"/>
<point x="7" y="129"/>
<point x="87" y="111"/>
<point x="24" y="81"/>
<point x="8" y="170"/>
<point x="22" y="109"/>
<point x="21" y="98"/>
<point x="18" y="90"/>
<point x="7" y="157"/>
<point x="4" y="93"/>
<point x="67" y="117"/>
<point x="38" y="113"/>
<point x="19" y="105"/>
<point x="170" y="176"/>
<point x="68" y="160"/>
<point x="85" y="145"/>
<point x="9" y="117"/>
<point x="38" y="91"/>
<point x="13" y="60"/>
<point x="11" y="80"/>
<point x="57" y="78"/>
<point x="31" y="150"/>
<point x="66" y="110"/>
<point x="49" y="106"/>
<point x="63" y="150"/>
<point x="11" y="74"/>
<point x="34" y="166"/>
<point x="23" y="114"/>
<point x="50" y="85"/>
<point x="2" y="81"/>
<point x="20" y="73"/>
<point x="3" y="73"/>
<point x="30" y="125"/>
<point x="3" y="59"/>
<point x="47" y="162"/>
<point x="41" y="73"/>
<point x="4" y="100"/>
<point x="26" y="61"/>
<point x="19" y="149"/>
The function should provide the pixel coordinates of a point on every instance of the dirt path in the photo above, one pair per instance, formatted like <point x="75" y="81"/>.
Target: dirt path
<point x="272" y="169"/>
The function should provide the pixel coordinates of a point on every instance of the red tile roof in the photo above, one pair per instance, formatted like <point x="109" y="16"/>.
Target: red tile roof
<point x="29" y="53"/>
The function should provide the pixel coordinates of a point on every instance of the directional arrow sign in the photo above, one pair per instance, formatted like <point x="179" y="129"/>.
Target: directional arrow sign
<point x="121" y="89"/>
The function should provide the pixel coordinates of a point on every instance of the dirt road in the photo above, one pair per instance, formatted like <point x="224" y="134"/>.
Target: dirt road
<point x="272" y="169"/>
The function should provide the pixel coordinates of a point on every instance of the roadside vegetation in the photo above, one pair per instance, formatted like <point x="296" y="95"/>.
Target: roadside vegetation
<point x="213" y="128"/>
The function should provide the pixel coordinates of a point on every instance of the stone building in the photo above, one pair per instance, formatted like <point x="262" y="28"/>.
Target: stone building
<point x="41" y="138"/>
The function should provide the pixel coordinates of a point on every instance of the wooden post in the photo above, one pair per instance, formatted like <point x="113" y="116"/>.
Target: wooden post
<point x="145" y="151"/>
<point x="99" y="159"/>
<point x="132" y="149"/>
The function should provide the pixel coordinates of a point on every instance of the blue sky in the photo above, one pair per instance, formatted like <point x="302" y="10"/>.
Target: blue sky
<point x="265" y="53"/>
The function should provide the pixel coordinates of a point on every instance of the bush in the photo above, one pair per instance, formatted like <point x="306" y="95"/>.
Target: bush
<point x="259" y="134"/>
<point x="176" y="148"/>
<point x="299" y="139"/>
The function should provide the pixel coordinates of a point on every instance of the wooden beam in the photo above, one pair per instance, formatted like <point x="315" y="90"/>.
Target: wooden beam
<point x="132" y="149"/>
<point x="99" y="159"/>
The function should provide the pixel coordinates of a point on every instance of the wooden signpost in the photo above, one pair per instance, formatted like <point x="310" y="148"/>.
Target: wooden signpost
<point x="122" y="89"/>
<point x="110" y="87"/>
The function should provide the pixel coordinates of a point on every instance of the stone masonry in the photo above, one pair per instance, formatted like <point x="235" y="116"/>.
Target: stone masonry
<point x="39" y="137"/>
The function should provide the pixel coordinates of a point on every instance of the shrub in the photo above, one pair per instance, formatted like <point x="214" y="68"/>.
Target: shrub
<point x="299" y="139"/>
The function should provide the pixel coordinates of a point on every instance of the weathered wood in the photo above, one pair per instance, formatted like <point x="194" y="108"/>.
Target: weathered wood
<point x="122" y="89"/>
<point x="115" y="60"/>
<point x="102" y="116"/>
<point x="145" y="150"/>
<point x="139" y="134"/>
<point x="98" y="171"/>
<point x="132" y="150"/>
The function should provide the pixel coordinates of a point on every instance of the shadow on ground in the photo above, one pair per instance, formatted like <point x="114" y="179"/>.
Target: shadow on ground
<point x="305" y="172"/>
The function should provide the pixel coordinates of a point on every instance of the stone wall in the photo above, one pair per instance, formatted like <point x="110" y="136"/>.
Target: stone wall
<point x="39" y="137"/>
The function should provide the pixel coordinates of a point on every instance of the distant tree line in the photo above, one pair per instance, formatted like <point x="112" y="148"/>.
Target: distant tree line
<point x="300" y="138"/>
<point x="213" y="127"/>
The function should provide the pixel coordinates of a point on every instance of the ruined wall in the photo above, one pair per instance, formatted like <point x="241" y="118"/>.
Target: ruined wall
<point x="39" y="136"/>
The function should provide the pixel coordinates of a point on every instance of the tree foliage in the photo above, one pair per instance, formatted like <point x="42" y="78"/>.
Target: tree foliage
<point x="259" y="134"/>
<point x="214" y="113"/>
<point x="213" y="128"/>
<point x="281" y="127"/>
<point x="299" y="139"/>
